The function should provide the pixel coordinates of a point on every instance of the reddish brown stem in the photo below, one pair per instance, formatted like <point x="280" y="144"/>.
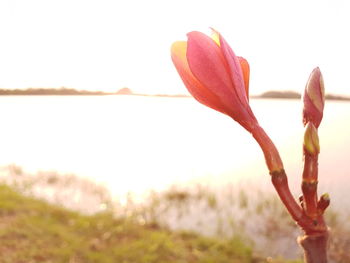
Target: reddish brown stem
<point x="280" y="182"/>
<point x="272" y="157"/>
<point x="315" y="247"/>
<point x="278" y="176"/>
<point x="309" y="184"/>
<point x="315" y="240"/>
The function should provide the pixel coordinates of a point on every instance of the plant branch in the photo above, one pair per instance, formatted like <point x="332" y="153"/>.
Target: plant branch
<point x="315" y="240"/>
<point x="315" y="247"/>
<point x="278" y="175"/>
<point x="309" y="185"/>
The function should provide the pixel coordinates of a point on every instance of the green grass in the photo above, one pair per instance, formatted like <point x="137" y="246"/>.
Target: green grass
<point x="34" y="231"/>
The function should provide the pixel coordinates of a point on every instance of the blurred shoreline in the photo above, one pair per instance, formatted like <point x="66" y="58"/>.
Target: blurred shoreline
<point x="233" y="210"/>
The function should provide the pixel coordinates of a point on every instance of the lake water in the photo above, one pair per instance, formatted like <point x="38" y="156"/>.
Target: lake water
<point x="135" y="143"/>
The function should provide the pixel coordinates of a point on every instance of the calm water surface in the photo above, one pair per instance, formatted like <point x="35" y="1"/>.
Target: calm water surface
<point x="132" y="143"/>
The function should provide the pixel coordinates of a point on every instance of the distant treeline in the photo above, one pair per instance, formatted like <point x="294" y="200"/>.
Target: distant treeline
<point x="59" y="91"/>
<point x="72" y="92"/>
<point x="281" y="95"/>
<point x="45" y="91"/>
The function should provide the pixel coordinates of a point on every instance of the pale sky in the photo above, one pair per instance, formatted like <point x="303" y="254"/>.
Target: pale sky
<point x="110" y="44"/>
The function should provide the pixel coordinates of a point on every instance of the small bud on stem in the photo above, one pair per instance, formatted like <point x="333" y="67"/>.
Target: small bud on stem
<point x="310" y="177"/>
<point x="323" y="203"/>
<point x="311" y="141"/>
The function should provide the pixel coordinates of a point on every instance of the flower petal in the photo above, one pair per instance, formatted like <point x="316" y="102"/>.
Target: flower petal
<point x="246" y="73"/>
<point x="207" y="64"/>
<point x="215" y="36"/>
<point x="236" y="73"/>
<point x="240" y="85"/>
<point x="198" y="91"/>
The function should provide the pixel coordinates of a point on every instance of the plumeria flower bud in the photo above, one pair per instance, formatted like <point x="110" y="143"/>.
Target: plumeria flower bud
<point x="214" y="75"/>
<point x="311" y="141"/>
<point x="219" y="79"/>
<point x="314" y="98"/>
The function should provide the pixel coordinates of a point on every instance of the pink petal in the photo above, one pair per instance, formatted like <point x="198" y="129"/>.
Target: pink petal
<point x="240" y="81"/>
<point x="209" y="67"/>
<point x="236" y="73"/>
<point x="246" y="72"/>
<point x="198" y="91"/>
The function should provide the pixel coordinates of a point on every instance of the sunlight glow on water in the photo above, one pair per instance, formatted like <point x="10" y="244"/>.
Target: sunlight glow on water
<point x="133" y="143"/>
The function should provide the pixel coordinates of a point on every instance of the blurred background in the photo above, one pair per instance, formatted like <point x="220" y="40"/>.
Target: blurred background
<point x="139" y="133"/>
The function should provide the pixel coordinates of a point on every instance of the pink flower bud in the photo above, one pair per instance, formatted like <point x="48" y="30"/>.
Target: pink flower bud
<point x="214" y="75"/>
<point x="311" y="141"/>
<point x="314" y="98"/>
<point x="219" y="79"/>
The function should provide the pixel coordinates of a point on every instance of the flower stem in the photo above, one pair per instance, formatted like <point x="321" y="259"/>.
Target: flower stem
<point x="315" y="247"/>
<point x="315" y="240"/>
<point x="278" y="175"/>
<point x="309" y="185"/>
